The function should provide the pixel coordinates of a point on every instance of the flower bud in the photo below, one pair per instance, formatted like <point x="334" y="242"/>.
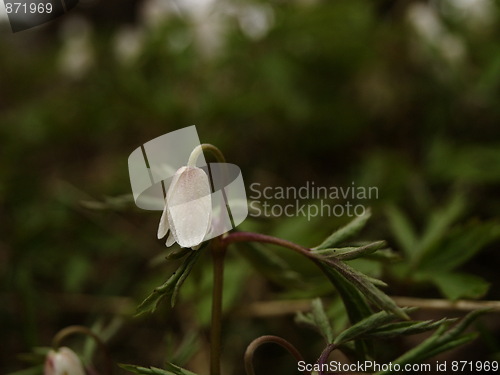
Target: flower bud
<point x="64" y="361"/>
<point x="188" y="208"/>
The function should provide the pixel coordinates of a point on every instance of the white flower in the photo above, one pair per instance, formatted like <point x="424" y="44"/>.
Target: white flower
<point x="188" y="208"/>
<point x="64" y="361"/>
<point x="77" y="52"/>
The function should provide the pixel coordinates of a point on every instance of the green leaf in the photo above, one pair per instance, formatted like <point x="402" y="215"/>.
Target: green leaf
<point x="144" y="370"/>
<point x="366" y="287"/>
<point x="178" y="370"/>
<point x="170" y="287"/>
<point x="402" y="230"/>
<point x="366" y="325"/>
<point x="454" y="285"/>
<point x="183" y="351"/>
<point x="377" y="282"/>
<point x="345" y="232"/>
<point x="318" y="320"/>
<point x="463" y="243"/>
<point x="171" y="369"/>
<point x="438" y="225"/>
<point x="452" y="344"/>
<point x="405" y="328"/>
<point x="178" y="253"/>
<point x="464" y="324"/>
<point x="269" y="264"/>
<point x="356" y="306"/>
<point x="441" y="340"/>
<point x="349" y="253"/>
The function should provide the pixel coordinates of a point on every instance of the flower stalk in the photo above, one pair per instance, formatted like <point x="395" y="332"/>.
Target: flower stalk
<point x="249" y="353"/>
<point x="218" y="255"/>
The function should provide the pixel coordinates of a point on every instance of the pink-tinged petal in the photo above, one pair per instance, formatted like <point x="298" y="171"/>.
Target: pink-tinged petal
<point x="164" y="223"/>
<point x="64" y="361"/>
<point x="189" y="203"/>
<point x="163" y="227"/>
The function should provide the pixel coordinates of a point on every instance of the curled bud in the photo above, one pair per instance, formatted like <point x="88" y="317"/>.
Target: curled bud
<point x="64" y="361"/>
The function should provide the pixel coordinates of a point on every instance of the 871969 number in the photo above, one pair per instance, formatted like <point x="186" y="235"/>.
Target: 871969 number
<point x="30" y="8"/>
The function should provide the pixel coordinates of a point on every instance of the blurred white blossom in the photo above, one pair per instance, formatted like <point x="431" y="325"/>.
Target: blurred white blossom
<point x="128" y="43"/>
<point x="426" y="22"/>
<point x="153" y="13"/>
<point x="255" y="20"/>
<point x="478" y="14"/>
<point x="77" y="53"/>
<point x="209" y="21"/>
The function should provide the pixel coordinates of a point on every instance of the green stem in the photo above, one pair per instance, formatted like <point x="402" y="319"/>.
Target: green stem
<point x="218" y="254"/>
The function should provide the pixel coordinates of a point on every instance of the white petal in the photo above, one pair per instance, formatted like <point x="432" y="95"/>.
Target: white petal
<point x="163" y="227"/>
<point x="63" y="362"/>
<point x="164" y="223"/>
<point x="170" y="239"/>
<point x="189" y="204"/>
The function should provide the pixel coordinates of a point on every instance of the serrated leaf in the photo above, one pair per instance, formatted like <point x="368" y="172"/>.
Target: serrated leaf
<point x="318" y="320"/>
<point x="377" y="282"/>
<point x="464" y="324"/>
<point x="405" y="328"/>
<point x="452" y="344"/>
<point x="170" y="287"/>
<point x="462" y="244"/>
<point x="437" y="226"/>
<point x="305" y="319"/>
<point x="366" y="325"/>
<point x="349" y="253"/>
<point x="345" y="232"/>
<point x="355" y="304"/>
<point x="370" y="291"/>
<point x="402" y="230"/>
<point x="321" y="319"/>
<point x="454" y="285"/>
<point x="144" y="370"/>
<point x="440" y="341"/>
<point x="177" y="370"/>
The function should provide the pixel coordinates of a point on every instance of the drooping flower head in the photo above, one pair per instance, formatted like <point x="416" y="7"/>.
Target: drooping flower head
<point x="64" y="361"/>
<point x="188" y="208"/>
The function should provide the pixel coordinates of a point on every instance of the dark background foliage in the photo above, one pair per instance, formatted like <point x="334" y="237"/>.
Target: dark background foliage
<point x="327" y="91"/>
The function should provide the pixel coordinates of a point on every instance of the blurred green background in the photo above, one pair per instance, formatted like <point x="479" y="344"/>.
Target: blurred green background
<point x="401" y="95"/>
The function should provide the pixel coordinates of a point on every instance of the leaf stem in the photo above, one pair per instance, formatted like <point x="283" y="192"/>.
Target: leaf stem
<point x="323" y="358"/>
<point x="356" y="278"/>
<point x="249" y="353"/>
<point x="257" y="237"/>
